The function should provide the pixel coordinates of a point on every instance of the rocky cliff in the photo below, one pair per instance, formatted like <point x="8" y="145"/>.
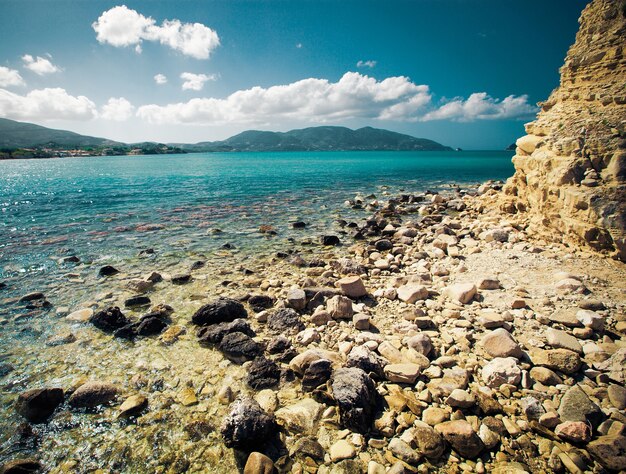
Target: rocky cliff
<point x="570" y="170"/>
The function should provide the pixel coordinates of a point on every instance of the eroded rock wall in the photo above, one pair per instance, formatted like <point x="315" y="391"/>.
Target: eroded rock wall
<point x="570" y="170"/>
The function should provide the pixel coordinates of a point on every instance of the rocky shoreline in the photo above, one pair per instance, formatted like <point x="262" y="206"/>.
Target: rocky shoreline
<point x="435" y="335"/>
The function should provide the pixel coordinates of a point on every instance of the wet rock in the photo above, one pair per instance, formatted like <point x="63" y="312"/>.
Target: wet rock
<point x="132" y="406"/>
<point x="214" y="334"/>
<point x="340" y="307"/>
<point x="402" y="373"/>
<point x="137" y="301"/>
<point x="39" y="404"/>
<point x="261" y="302"/>
<point x="363" y="358"/>
<point x="610" y="451"/>
<point x="296" y="299"/>
<point x="357" y="398"/>
<point x="151" y="326"/>
<point x="140" y="286"/>
<point x="239" y="347"/>
<point x="258" y="463"/>
<point x="108" y="270"/>
<point x="222" y="310"/>
<point x="317" y="373"/>
<point x="198" y="430"/>
<point x="576" y="406"/>
<point x="352" y="287"/>
<point x="247" y="426"/>
<point x="263" y="373"/>
<point x="329" y="240"/>
<point x="501" y="370"/>
<point x="574" y="431"/>
<point x="461" y="292"/>
<point x="462" y="437"/>
<point x="285" y="321"/>
<point x="128" y="332"/>
<point x="500" y="343"/>
<point x="300" y="417"/>
<point x="61" y="339"/>
<point x="562" y="360"/>
<point x="109" y="319"/>
<point x="81" y="315"/>
<point x="187" y="397"/>
<point x="21" y="466"/>
<point x="93" y="394"/>
<point x="172" y="333"/>
<point x="36" y="295"/>
<point x="181" y="279"/>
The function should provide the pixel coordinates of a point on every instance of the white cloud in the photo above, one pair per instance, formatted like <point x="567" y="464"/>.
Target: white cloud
<point x="121" y="26"/>
<point x="117" y="109"/>
<point x="10" y="77"/>
<point x="370" y="64"/>
<point x="46" y="104"/>
<point x="195" y="82"/>
<point x="40" y="66"/>
<point x="160" y="79"/>
<point x="481" y="106"/>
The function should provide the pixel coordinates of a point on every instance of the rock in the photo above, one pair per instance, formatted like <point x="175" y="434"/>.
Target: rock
<point x="461" y="292"/>
<point x="570" y="285"/>
<point x="108" y="270"/>
<point x="615" y="366"/>
<point x="137" y="301"/>
<point x="501" y="370"/>
<point x="38" y="405"/>
<point x="341" y="450"/>
<point x="566" y="318"/>
<point x="132" y="406"/>
<point x="317" y="373"/>
<point x="21" y="466"/>
<point x="428" y="441"/>
<point x="150" y="326"/>
<point x="263" y="373"/>
<point x="61" y="339"/>
<point x="181" y="279"/>
<point x="434" y="415"/>
<point x="282" y="349"/>
<point x="361" y="321"/>
<point x="140" y="286"/>
<point x="462" y="437"/>
<point x="460" y="399"/>
<point x="302" y="361"/>
<point x="222" y="310"/>
<point x="285" y="321"/>
<point x="576" y="406"/>
<point x="610" y="451"/>
<point x="404" y="452"/>
<point x="363" y="358"/>
<point x="574" y="431"/>
<point x="532" y="408"/>
<point x="500" y="343"/>
<point x="300" y="417"/>
<point x="309" y="446"/>
<point x="214" y="333"/>
<point x="34" y="296"/>
<point x="258" y="463"/>
<point x="239" y="347"/>
<point x="383" y="245"/>
<point x="93" y="394"/>
<point x="320" y="317"/>
<point x="81" y="315"/>
<point x="529" y="143"/>
<point x="560" y="339"/>
<point x="261" y="302"/>
<point x="411" y="293"/>
<point x="109" y="320"/>
<point x="489" y="284"/>
<point x="247" y="426"/>
<point x="487" y="404"/>
<point x="590" y="319"/>
<point x="330" y="240"/>
<point x="352" y="286"/>
<point x="402" y="373"/>
<point x="340" y="307"/>
<point x="420" y="343"/>
<point x="593" y="305"/>
<point x="562" y="360"/>
<point x="617" y="396"/>
<point x="296" y="299"/>
<point x="356" y="397"/>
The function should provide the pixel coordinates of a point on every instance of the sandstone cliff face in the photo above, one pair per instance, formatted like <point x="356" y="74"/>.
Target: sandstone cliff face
<point x="570" y="170"/>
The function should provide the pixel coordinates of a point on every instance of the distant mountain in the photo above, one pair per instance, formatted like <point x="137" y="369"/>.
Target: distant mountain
<point x="320" y="139"/>
<point x="27" y="135"/>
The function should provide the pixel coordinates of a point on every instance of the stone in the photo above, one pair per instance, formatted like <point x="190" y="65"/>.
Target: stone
<point x="576" y="406"/>
<point x="109" y="319"/>
<point x="609" y="451"/>
<point x="352" y="287"/>
<point x="239" y="347"/>
<point x="420" y="343"/>
<point x="460" y="399"/>
<point x="462" y="437"/>
<point x="39" y="404"/>
<point x="258" y="463"/>
<point x="260" y="302"/>
<point x="561" y="339"/>
<point x="151" y="326"/>
<point x="565" y="317"/>
<point x="187" y="397"/>
<point x="341" y="450"/>
<point x="363" y="358"/>
<point x="330" y="240"/>
<point x="302" y="361"/>
<point x="300" y="417"/>
<point x="361" y="321"/>
<point x="93" y="394"/>
<point x="317" y="373"/>
<point x="21" y="466"/>
<point x="309" y="446"/>
<point x="132" y="406"/>
<point x="108" y="270"/>
<point x="340" y="307"/>
<point x="281" y="348"/>
<point x="404" y="452"/>
<point x="529" y="143"/>
<point x="574" y="431"/>
<point x="462" y="292"/>
<point x="263" y="373"/>
<point x="532" y="408"/>
<point x="140" y="286"/>
<point x="411" y="293"/>
<point x="136" y="301"/>
<point x="296" y="299"/>
<point x="247" y="426"/>
<point x="80" y="316"/>
<point x="617" y="396"/>
<point x="402" y="373"/>
<point x="489" y="283"/>
<point x="562" y="360"/>
<point x="429" y="443"/>
<point x="285" y="321"/>
<point x="434" y="415"/>
<point x="356" y="397"/>
<point x="590" y="319"/>
<point x="320" y="317"/>
<point x="213" y="334"/>
<point x="500" y="343"/>
<point x="501" y="370"/>
<point x="222" y="310"/>
<point x="615" y="366"/>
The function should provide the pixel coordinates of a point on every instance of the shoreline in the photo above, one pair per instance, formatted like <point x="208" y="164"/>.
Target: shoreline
<point x="459" y="301"/>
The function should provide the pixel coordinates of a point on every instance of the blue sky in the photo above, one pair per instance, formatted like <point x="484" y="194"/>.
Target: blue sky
<point x="464" y="73"/>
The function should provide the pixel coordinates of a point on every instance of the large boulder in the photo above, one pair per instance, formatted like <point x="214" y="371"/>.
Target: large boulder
<point x="357" y="398"/>
<point x="222" y="310"/>
<point x="247" y="426"/>
<point x="38" y="405"/>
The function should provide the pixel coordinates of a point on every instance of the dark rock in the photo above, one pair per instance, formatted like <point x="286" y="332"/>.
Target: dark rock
<point x="21" y="466"/>
<point x="3" y="285"/>
<point x="197" y="265"/>
<point x="198" y="430"/>
<point x="285" y="321"/>
<point x="181" y="279"/>
<point x="222" y="310"/>
<point x="298" y="225"/>
<point x="150" y="326"/>
<point x="92" y="394"/>
<point x="239" y="347"/>
<point x="282" y="349"/>
<point x="127" y="332"/>
<point x="610" y="451"/>
<point x="383" y="244"/>
<point x="146" y="252"/>
<point x="108" y="270"/>
<point x="39" y="404"/>
<point x="214" y="334"/>
<point x="317" y="373"/>
<point x="109" y="319"/>
<point x="155" y="277"/>
<point x="576" y="406"/>
<point x="330" y="240"/>
<point x="261" y="302"/>
<point x="309" y="447"/>
<point x="488" y="405"/>
<point x="363" y="358"/>
<point x="137" y="301"/>
<point x="357" y="398"/>
<point x="462" y="437"/>
<point x="71" y="259"/>
<point x="247" y="426"/>
<point x="6" y="369"/>
<point x="36" y="295"/>
<point x="263" y="373"/>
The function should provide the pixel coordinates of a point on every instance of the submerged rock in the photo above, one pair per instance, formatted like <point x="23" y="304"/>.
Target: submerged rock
<point x="357" y="398"/>
<point x="239" y="347"/>
<point x="93" y="394"/>
<point x="222" y="310"/>
<point x="108" y="270"/>
<point x="39" y="404"/>
<point x="110" y="319"/>
<point x="247" y="426"/>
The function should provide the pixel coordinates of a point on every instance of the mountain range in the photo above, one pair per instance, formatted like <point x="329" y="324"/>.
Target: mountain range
<point x="20" y="135"/>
